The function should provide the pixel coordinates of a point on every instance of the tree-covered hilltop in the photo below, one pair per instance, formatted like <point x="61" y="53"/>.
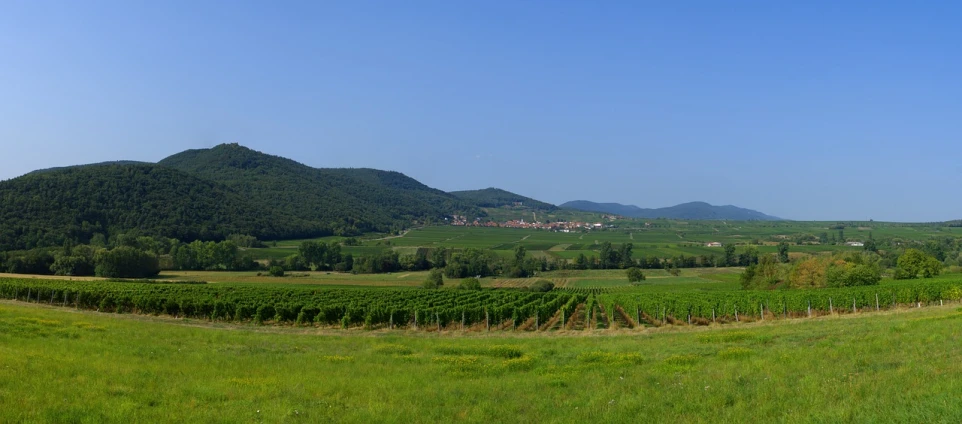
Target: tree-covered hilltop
<point x="78" y="203"/>
<point x="207" y="194"/>
<point x="112" y="162"/>
<point x="347" y="200"/>
<point x="495" y="198"/>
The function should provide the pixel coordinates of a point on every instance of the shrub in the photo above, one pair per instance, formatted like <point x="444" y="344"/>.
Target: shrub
<point x="542" y="286"/>
<point x="470" y="283"/>
<point x="435" y="279"/>
<point x="126" y="262"/>
<point x="914" y="263"/>
<point x="635" y="275"/>
<point x="276" y="271"/>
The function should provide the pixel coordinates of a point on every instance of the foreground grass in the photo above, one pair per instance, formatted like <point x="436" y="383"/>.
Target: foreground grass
<point x="64" y="366"/>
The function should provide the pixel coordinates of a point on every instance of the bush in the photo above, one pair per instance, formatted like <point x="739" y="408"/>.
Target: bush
<point x="72" y="265"/>
<point x="276" y="271"/>
<point x="542" y="286"/>
<point x="126" y="262"/>
<point x="635" y="275"/>
<point x="914" y="263"/>
<point x="33" y="262"/>
<point x="470" y="283"/>
<point x="435" y="279"/>
<point x="518" y="272"/>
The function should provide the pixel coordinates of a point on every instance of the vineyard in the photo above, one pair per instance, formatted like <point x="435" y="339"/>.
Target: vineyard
<point x="381" y="308"/>
<point x="437" y="310"/>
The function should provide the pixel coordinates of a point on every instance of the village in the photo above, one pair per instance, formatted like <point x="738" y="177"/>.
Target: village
<point x="559" y="226"/>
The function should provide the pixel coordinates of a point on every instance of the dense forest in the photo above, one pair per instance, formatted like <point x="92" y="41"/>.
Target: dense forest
<point x="208" y="194"/>
<point x="348" y="201"/>
<point x="83" y="203"/>
<point x="496" y="198"/>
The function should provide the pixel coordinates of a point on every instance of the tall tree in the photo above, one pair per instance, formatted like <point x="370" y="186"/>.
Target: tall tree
<point x="605" y="255"/>
<point x="783" y="252"/>
<point x="519" y="254"/>
<point x="581" y="262"/>
<point x="730" y="255"/>
<point x="625" y="256"/>
<point x="313" y="252"/>
<point x="439" y="258"/>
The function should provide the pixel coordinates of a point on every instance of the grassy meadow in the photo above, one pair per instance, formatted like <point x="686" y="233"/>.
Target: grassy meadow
<point x="656" y="279"/>
<point x="897" y="365"/>
<point x="660" y="238"/>
<point x="61" y="365"/>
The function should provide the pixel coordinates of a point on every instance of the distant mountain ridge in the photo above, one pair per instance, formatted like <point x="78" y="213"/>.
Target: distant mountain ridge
<point x="691" y="210"/>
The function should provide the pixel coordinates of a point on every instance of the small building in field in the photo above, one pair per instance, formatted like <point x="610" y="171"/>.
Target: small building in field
<point x="855" y="244"/>
<point x="713" y="244"/>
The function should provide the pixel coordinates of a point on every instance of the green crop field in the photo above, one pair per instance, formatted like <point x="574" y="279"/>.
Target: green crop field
<point x="61" y="365"/>
<point x="590" y="297"/>
<point x="683" y="344"/>
<point x="340" y="347"/>
<point x="659" y="238"/>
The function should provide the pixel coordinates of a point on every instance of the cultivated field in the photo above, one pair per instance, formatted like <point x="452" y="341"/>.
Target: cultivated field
<point x="659" y="279"/>
<point x="61" y="365"/>
<point x="222" y="346"/>
<point x="661" y="238"/>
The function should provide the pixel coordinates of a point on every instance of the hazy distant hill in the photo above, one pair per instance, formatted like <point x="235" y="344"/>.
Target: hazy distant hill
<point x="691" y="210"/>
<point x="495" y="198"/>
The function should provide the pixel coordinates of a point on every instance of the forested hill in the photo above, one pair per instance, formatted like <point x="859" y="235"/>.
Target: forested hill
<point x="691" y="210"/>
<point x="75" y="203"/>
<point x="208" y="194"/>
<point x="496" y="198"/>
<point x="115" y="162"/>
<point x="345" y="200"/>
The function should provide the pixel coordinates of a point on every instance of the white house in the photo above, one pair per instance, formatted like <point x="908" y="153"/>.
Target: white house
<point x="713" y="244"/>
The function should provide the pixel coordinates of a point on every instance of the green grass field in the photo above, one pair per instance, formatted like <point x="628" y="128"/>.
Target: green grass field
<point x="65" y="366"/>
<point x="320" y="278"/>
<point x="661" y="238"/>
<point x="658" y="280"/>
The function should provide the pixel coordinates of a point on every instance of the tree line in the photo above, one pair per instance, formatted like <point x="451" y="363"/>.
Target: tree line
<point x="836" y="270"/>
<point x="132" y="256"/>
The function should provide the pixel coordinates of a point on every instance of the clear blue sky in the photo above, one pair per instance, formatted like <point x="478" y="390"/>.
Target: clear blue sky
<point x="804" y="110"/>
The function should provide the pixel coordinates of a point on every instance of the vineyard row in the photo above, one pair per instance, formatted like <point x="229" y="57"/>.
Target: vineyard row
<point x="437" y="309"/>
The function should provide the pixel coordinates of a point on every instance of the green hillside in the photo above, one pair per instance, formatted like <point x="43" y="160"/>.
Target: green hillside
<point x="44" y="209"/>
<point x="345" y="201"/>
<point x="112" y="162"/>
<point x="208" y="194"/>
<point x="496" y="198"/>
